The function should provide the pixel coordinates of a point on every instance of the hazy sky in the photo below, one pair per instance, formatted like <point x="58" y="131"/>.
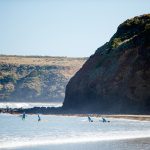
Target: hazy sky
<point x="62" y="27"/>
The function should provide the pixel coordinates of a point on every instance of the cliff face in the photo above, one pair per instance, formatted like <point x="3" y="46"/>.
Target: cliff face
<point x="116" y="79"/>
<point x="32" y="79"/>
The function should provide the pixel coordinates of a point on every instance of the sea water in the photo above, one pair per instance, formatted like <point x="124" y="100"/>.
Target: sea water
<point x="55" y="130"/>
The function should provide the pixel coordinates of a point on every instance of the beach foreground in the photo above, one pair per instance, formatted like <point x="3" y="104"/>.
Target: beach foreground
<point x="130" y="144"/>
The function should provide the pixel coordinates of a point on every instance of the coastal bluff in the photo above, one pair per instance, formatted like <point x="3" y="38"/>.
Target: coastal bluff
<point x="36" y="78"/>
<point x="116" y="79"/>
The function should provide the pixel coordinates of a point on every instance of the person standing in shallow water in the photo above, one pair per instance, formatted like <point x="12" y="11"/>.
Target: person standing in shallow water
<point x="39" y="119"/>
<point x="23" y="116"/>
<point x="89" y="118"/>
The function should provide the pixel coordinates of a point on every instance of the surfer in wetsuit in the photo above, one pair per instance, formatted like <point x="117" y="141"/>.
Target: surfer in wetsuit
<point x="23" y="116"/>
<point x="104" y="120"/>
<point x="39" y="119"/>
<point x="90" y="120"/>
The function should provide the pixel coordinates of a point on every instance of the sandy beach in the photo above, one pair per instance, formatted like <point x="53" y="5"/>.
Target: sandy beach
<point x="130" y="144"/>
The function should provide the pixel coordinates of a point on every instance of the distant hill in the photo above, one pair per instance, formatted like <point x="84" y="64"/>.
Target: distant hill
<point x="116" y="79"/>
<point x="36" y="78"/>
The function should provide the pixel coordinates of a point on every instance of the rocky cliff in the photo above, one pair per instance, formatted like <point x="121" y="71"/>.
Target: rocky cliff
<point x="116" y="79"/>
<point x="33" y="78"/>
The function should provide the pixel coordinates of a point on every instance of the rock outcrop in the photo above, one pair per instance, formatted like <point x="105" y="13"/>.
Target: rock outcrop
<point x="34" y="78"/>
<point x="116" y="79"/>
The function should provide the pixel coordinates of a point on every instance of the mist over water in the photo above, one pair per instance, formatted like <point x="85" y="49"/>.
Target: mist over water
<point x="55" y="130"/>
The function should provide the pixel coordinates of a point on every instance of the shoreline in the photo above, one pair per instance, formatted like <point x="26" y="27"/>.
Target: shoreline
<point x="60" y="111"/>
<point x="116" y="116"/>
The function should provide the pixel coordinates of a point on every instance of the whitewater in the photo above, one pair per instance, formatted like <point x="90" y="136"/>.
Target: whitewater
<point x="28" y="105"/>
<point x="57" y="130"/>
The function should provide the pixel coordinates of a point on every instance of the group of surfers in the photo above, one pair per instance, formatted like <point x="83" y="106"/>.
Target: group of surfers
<point x="24" y="116"/>
<point x="89" y="118"/>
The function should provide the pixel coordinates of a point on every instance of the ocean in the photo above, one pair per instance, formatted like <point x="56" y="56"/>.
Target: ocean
<point x="57" y="132"/>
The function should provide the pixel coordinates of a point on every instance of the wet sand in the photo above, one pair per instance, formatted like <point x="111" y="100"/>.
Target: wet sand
<point x="129" y="144"/>
<point x="121" y="116"/>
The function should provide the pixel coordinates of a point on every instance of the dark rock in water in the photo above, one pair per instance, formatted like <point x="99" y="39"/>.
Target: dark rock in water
<point x="37" y="110"/>
<point x="116" y="79"/>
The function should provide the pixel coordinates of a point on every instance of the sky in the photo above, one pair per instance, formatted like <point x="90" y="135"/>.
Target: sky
<point x="73" y="28"/>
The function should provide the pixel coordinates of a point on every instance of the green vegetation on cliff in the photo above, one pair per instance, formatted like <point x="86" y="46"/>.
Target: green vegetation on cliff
<point x="33" y="78"/>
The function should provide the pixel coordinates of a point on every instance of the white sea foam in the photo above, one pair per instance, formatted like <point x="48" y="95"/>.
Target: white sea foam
<point x="28" y="105"/>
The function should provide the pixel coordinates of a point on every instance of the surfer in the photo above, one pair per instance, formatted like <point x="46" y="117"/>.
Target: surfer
<point x="23" y="116"/>
<point x="39" y="118"/>
<point x="104" y="120"/>
<point x="89" y="118"/>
